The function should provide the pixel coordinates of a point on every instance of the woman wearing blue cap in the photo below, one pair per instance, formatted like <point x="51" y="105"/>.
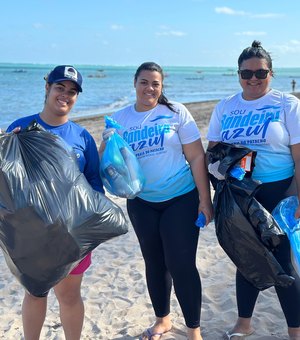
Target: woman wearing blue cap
<point x="63" y="85"/>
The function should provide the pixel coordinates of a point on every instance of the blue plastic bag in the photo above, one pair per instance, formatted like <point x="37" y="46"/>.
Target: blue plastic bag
<point x="237" y="172"/>
<point x="284" y="215"/>
<point x="120" y="170"/>
<point x="201" y="221"/>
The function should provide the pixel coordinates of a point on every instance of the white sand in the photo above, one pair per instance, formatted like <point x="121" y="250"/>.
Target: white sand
<point x="117" y="303"/>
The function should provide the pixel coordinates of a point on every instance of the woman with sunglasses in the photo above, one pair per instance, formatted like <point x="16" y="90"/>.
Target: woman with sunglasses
<point x="267" y="121"/>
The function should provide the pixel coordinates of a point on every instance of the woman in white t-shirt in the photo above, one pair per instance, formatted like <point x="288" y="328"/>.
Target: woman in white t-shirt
<point x="267" y="121"/>
<point x="167" y="143"/>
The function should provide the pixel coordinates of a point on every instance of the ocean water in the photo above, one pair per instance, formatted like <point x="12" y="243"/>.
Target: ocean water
<point x="108" y="88"/>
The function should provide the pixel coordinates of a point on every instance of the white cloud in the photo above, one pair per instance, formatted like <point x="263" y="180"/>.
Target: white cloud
<point x="250" y="33"/>
<point x="163" y="27"/>
<point x="293" y="46"/>
<point x="229" y="11"/>
<point x="295" y="42"/>
<point x="116" y="27"/>
<point x="177" y="33"/>
<point x="38" y="25"/>
<point x="267" y="15"/>
<point x="171" y="33"/>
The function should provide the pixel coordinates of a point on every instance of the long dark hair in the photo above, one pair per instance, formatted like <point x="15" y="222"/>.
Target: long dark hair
<point x="151" y="66"/>
<point x="255" y="51"/>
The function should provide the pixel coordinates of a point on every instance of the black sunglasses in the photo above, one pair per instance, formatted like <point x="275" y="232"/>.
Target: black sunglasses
<point x="248" y="74"/>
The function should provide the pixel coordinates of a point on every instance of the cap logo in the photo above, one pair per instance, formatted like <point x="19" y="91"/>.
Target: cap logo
<point x="70" y="72"/>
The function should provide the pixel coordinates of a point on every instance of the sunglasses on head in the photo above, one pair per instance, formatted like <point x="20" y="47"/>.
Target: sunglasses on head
<point x="248" y="74"/>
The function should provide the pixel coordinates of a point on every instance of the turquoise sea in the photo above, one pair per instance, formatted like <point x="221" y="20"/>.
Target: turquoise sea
<point x="108" y="88"/>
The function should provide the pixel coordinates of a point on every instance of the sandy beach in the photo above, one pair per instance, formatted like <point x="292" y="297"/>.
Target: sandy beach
<point x="114" y="288"/>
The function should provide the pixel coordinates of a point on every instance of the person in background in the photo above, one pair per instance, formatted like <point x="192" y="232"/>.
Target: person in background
<point x="63" y="85"/>
<point x="293" y="85"/>
<point x="267" y="121"/>
<point x="167" y="143"/>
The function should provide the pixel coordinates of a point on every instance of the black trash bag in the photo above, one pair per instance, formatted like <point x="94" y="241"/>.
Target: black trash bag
<point x="37" y="254"/>
<point x="245" y="229"/>
<point x="50" y="216"/>
<point x="229" y="155"/>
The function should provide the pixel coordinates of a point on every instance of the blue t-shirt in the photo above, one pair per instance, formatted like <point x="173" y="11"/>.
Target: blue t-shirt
<point x="76" y="137"/>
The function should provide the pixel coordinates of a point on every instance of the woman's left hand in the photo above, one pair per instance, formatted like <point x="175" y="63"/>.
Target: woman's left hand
<point x="207" y="210"/>
<point x="16" y="129"/>
<point x="297" y="212"/>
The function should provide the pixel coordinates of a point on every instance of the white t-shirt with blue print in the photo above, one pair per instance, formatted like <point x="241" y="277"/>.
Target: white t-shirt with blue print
<point x="268" y="125"/>
<point x="156" y="137"/>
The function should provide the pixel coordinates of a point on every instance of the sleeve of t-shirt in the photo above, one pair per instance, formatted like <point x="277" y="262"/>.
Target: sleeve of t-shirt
<point x="12" y="126"/>
<point x="91" y="170"/>
<point x="292" y="118"/>
<point x="188" y="130"/>
<point x="22" y="122"/>
<point x="215" y="125"/>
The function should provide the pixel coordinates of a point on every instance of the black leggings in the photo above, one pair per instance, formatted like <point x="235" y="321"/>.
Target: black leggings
<point x="168" y="239"/>
<point x="269" y="194"/>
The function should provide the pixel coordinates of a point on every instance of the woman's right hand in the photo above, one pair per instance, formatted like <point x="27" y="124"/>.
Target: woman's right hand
<point x="107" y="133"/>
<point x="297" y="213"/>
<point x="16" y="129"/>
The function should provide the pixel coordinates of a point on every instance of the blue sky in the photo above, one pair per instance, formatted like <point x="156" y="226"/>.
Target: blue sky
<point x="129" y="32"/>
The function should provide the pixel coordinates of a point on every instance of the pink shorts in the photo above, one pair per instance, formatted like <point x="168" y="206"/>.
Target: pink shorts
<point x="82" y="265"/>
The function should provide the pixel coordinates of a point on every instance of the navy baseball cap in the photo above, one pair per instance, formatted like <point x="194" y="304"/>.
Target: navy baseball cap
<point x="65" y="72"/>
